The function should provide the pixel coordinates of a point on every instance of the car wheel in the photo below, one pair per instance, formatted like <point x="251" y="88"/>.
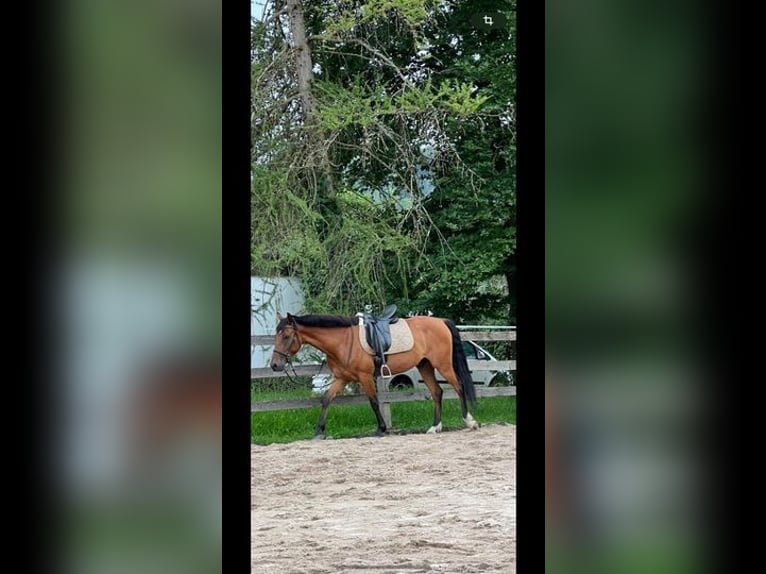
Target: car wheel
<point x="400" y="384"/>
<point x="351" y="389"/>
<point x="501" y="380"/>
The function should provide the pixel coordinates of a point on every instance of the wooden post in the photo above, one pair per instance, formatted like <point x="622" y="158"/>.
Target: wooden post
<point x="385" y="407"/>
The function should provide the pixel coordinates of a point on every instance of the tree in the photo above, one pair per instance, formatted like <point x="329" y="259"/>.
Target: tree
<point x="351" y="165"/>
<point x="470" y="271"/>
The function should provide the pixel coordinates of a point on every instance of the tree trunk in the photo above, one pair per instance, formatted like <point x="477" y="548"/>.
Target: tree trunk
<point x="510" y="278"/>
<point x="305" y="75"/>
<point x="303" y="63"/>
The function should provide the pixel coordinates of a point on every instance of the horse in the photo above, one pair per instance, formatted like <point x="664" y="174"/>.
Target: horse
<point x="436" y="345"/>
<point x="552" y="492"/>
<point x="174" y="434"/>
<point x="176" y="400"/>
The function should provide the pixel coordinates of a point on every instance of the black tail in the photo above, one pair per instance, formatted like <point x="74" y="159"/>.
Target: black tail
<point x="460" y="365"/>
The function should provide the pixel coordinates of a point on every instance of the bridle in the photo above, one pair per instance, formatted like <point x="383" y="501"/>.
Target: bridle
<point x="288" y="357"/>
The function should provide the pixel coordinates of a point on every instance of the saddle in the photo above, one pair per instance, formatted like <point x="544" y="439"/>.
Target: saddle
<point x="378" y="335"/>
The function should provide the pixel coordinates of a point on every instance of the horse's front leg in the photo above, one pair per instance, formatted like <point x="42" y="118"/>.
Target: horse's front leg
<point x="335" y="387"/>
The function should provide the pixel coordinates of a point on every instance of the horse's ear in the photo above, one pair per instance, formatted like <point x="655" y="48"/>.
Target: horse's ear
<point x="290" y="318"/>
<point x="279" y="316"/>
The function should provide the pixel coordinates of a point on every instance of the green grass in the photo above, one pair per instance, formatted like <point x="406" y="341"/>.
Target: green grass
<point x="642" y="559"/>
<point x="359" y="420"/>
<point x="256" y="395"/>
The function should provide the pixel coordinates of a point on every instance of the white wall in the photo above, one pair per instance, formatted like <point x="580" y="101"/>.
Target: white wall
<point x="116" y="315"/>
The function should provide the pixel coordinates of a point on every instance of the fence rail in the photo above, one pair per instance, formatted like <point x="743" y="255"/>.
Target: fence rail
<point x="385" y="397"/>
<point x="311" y="369"/>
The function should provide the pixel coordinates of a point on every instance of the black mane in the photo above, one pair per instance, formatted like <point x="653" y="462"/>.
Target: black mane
<point x="320" y="321"/>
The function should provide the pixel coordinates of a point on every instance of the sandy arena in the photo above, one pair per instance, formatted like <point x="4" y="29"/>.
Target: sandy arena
<point x="411" y="504"/>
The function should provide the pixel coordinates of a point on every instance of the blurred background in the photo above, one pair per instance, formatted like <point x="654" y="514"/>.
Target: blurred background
<point x="625" y="188"/>
<point x="138" y="286"/>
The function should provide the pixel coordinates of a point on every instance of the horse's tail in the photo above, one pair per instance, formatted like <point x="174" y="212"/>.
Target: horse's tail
<point x="460" y="364"/>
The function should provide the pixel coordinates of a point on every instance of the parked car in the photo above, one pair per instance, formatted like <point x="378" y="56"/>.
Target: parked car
<point x="411" y="379"/>
<point x="320" y="382"/>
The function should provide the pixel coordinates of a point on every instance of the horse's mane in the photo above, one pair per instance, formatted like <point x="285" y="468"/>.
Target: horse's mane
<point x="320" y="321"/>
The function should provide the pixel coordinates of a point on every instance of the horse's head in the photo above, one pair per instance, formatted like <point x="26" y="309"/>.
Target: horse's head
<point x="287" y="342"/>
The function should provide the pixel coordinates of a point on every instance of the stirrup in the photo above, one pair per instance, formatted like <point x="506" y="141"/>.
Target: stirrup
<point x="383" y="374"/>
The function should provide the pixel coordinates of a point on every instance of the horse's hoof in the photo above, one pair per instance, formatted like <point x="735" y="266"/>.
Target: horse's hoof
<point x="380" y="433"/>
<point x="437" y="428"/>
<point x="318" y="437"/>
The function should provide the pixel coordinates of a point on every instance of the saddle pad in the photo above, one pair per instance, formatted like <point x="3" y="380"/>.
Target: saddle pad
<point x="401" y="338"/>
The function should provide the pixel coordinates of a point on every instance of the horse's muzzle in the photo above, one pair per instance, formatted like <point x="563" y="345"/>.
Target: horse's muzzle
<point x="277" y="367"/>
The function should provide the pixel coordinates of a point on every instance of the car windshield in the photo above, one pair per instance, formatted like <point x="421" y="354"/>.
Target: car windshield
<point x="472" y="351"/>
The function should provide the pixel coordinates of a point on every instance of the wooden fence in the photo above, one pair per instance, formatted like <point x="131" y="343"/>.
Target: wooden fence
<point x="386" y="397"/>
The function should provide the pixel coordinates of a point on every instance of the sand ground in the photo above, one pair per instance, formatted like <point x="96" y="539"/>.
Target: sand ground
<point x="409" y="504"/>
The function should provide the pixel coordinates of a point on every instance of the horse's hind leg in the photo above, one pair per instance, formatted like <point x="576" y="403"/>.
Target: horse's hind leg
<point x="335" y="386"/>
<point x="368" y="386"/>
<point x="449" y="374"/>
<point x="427" y="372"/>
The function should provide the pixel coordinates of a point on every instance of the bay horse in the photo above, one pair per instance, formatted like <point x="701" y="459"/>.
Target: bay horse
<point x="552" y="491"/>
<point x="436" y="345"/>
<point x="176" y="400"/>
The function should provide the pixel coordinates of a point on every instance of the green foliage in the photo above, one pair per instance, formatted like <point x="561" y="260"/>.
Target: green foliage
<point x="342" y="106"/>
<point x="284" y="235"/>
<point x="458" y="97"/>
<point x="358" y="104"/>
<point x="399" y="186"/>
<point x="345" y="17"/>
<point x="469" y="271"/>
<point x="411" y="11"/>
